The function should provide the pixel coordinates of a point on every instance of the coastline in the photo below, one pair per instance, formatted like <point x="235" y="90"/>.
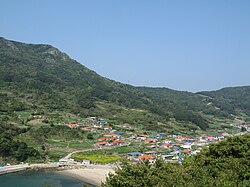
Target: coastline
<point x="94" y="175"/>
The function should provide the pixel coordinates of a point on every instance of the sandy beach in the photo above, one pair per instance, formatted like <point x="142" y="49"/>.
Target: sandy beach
<point x="92" y="175"/>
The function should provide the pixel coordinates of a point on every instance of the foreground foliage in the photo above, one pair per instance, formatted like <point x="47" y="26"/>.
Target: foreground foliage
<point x="12" y="149"/>
<point x="224" y="164"/>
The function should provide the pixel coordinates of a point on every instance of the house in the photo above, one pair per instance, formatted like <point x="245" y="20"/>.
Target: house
<point x="145" y="157"/>
<point x="152" y="153"/>
<point x="167" y="141"/>
<point x="186" y="146"/>
<point x="168" y="156"/>
<point x="108" y="128"/>
<point x="85" y="162"/>
<point x="102" y="143"/>
<point x="166" y="145"/>
<point x="72" y="125"/>
<point x="120" y="133"/>
<point x="149" y="141"/>
<point x="111" y="136"/>
<point x="86" y="128"/>
<point x="179" y="139"/>
<point x="98" y="126"/>
<point x="102" y="139"/>
<point x="126" y="126"/>
<point x="117" y="142"/>
<point x="134" y="154"/>
<point x="187" y="151"/>
<point x="102" y="121"/>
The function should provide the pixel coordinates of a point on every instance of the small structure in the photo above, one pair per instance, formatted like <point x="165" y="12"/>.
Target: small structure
<point x="102" y="143"/>
<point x="145" y="157"/>
<point x="72" y="125"/>
<point x="134" y="154"/>
<point x="86" y="162"/>
<point x="103" y="121"/>
<point x="117" y="142"/>
<point x="152" y="153"/>
<point x="149" y="141"/>
<point x="108" y="128"/>
<point x="120" y="133"/>
<point x="65" y="162"/>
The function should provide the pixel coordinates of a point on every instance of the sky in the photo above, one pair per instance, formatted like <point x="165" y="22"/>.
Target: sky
<point x="192" y="45"/>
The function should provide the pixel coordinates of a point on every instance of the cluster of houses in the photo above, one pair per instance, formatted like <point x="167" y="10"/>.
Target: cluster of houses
<point x="172" y="148"/>
<point x="169" y="147"/>
<point x="111" y="139"/>
<point x="91" y="124"/>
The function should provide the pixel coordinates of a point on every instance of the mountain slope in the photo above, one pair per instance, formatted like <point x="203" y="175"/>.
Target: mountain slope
<point x="40" y="77"/>
<point x="39" y="70"/>
<point x="233" y="100"/>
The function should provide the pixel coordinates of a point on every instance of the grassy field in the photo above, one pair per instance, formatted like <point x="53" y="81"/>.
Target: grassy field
<point x="97" y="158"/>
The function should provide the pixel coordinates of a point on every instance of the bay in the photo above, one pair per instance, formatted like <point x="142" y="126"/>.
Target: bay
<point x="38" y="179"/>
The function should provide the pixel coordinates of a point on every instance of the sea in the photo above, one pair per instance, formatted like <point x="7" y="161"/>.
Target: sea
<point x="39" y="179"/>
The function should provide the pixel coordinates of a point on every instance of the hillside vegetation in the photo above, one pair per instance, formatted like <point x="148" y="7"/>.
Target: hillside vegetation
<point x="42" y="88"/>
<point x="224" y="164"/>
<point x="41" y="78"/>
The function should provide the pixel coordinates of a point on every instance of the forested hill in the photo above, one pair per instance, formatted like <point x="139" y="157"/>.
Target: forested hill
<point x="233" y="100"/>
<point x="40" y="77"/>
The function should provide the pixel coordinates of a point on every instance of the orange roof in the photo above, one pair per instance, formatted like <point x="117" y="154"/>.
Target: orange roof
<point x="145" y="157"/>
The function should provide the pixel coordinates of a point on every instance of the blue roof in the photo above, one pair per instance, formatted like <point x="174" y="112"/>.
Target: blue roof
<point x="120" y="133"/>
<point x="134" y="154"/>
<point x="176" y="148"/>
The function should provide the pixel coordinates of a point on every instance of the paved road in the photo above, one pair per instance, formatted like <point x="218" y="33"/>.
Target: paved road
<point x="14" y="168"/>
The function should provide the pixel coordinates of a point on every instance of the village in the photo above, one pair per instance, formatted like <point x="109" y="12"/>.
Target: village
<point x="169" y="147"/>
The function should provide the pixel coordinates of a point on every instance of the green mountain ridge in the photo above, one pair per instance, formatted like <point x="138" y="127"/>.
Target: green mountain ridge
<point x="41" y="78"/>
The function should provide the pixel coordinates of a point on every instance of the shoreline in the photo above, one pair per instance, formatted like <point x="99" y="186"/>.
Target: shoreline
<point x="93" y="175"/>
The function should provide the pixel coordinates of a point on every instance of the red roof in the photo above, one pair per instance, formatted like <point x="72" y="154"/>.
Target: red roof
<point x="101" y="143"/>
<point x="119" y="141"/>
<point x="72" y="125"/>
<point x="166" y="145"/>
<point x="186" y="151"/>
<point x="107" y="127"/>
<point x="110" y="135"/>
<point x="149" y="141"/>
<point x="102" y="139"/>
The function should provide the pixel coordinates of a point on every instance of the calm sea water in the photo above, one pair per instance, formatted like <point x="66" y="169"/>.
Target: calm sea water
<point x="38" y="179"/>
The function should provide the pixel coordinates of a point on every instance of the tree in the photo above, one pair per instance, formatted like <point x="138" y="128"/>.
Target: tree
<point x="90" y="136"/>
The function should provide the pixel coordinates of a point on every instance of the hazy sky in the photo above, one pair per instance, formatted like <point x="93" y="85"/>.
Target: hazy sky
<point x="184" y="45"/>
